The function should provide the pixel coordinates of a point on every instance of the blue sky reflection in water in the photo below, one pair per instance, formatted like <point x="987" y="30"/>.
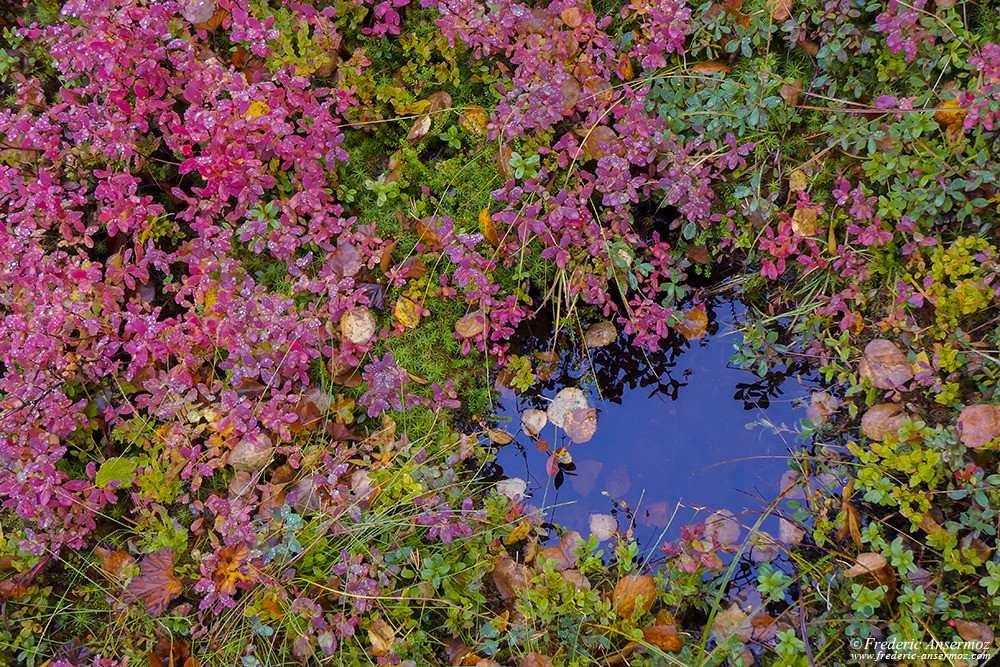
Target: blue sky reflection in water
<point x="672" y="428"/>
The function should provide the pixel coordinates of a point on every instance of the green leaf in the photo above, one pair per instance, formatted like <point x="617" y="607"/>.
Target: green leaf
<point x="117" y="469"/>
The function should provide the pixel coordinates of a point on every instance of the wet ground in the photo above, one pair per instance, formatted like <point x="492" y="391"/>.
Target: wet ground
<point x="677" y="431"/>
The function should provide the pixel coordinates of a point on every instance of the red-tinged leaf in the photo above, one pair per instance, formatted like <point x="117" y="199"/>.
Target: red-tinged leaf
<point x="157" y="584"/>
<point x="115" y="564"/>
<point x="552" y="465"/>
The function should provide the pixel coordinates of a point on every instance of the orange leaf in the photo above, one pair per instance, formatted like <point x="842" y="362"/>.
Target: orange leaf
<point x="157" y="585"/>
<point x="632" y="592"/>
<point x="664" y="637"/>
<point x="693" y="324"/>
<point x="852" y="523"/>
<point x="230" y="569"/>
<point x="114" y="563"/>
<point x="710" y="67"/>
<point x="488" y="228"/>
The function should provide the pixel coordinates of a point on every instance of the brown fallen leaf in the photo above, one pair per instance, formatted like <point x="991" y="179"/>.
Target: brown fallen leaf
<point x="710" y="67"/>
<point x="594" y="137"/>
<point x="252" y="453"/>
<point x="664" y="637"/>
<point x="509" y="577"/>
<point x="382" y="637"/>
<point x="633" y="591"/>
<point x="600" y="334"/>
<point x="875" y="570"/>
<point x="884" y="365"/>
<point x="852" y="523"/>
<point x="438" y="101"/>
<point x="978" y="425"/>
<point x="358" y="325"/>
<point x="499" y="436"/>
<point x="882" y="420"/>
<point x="950" y="113"/>
<point x="475" y="120"/>
<point x="420" y="128"/>
<point x="790" y="92"/>
<point x="156" y="585"/>
<point x="780" y="9"/>
<point x="974" y="631"/>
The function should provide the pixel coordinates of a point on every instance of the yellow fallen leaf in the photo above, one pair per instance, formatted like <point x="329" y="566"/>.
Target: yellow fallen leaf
<point x="407" y="312"/>
<point x="487" y="227"/>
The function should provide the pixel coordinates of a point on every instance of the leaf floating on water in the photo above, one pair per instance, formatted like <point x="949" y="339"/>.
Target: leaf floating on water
<point x="358" y="325"/>
<point x="978" y="425"/>
<point x="764" y="548"/>
<point x="499" y="436"/>
<point x="565" y="402"/>
<point x="634" y="591"/>
<point x="603" y="526"/>
<point x="884" y="365"/>
<point x="513" y="488"/>
<point x="533" y="421"/>
<point x="789" y="532"/>
<point x="730" y="621"/>
<point x="723" y="527"/>
<point x="600" y="334"/>
<point x="580" y="425"/>
<point x="693" y="324"/>
<point x="821" y="406"/>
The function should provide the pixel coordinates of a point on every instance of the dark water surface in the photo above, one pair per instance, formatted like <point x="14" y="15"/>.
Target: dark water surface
<point x="672" y="434"/>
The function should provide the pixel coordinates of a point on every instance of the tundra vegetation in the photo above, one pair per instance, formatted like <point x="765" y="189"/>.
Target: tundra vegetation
<point x="260" y="263"/>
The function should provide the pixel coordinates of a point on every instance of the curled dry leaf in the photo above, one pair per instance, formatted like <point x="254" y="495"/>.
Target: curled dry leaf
<point x="600" y="334"/>
<point x="710" y="67"/>
<point x="580" y="425"/>
<point x="634" y="591"/>
<point x="978" y="425"/>
<point x="565" y="402"/>
<point x="252" y="452"/>
<point x="488" y="228"/>
<point x="471" y="325"/>
<point x="790" y="92"/>
<point x="571" y="90"/>
<point x="358" y="325"/>
<point x="884" y="365"/>
<point x="533" y="421"/>
<point x="664" y="637"/>
<point x="569" y="544"/>
<point x="603" y="526"/>
<point x="882" y="420"/>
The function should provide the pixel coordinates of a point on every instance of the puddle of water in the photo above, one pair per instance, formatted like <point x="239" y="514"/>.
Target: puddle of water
<point x="671" y="436"/>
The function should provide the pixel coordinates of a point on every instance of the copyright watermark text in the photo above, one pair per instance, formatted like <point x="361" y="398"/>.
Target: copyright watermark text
<point x="876" y="649"/>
